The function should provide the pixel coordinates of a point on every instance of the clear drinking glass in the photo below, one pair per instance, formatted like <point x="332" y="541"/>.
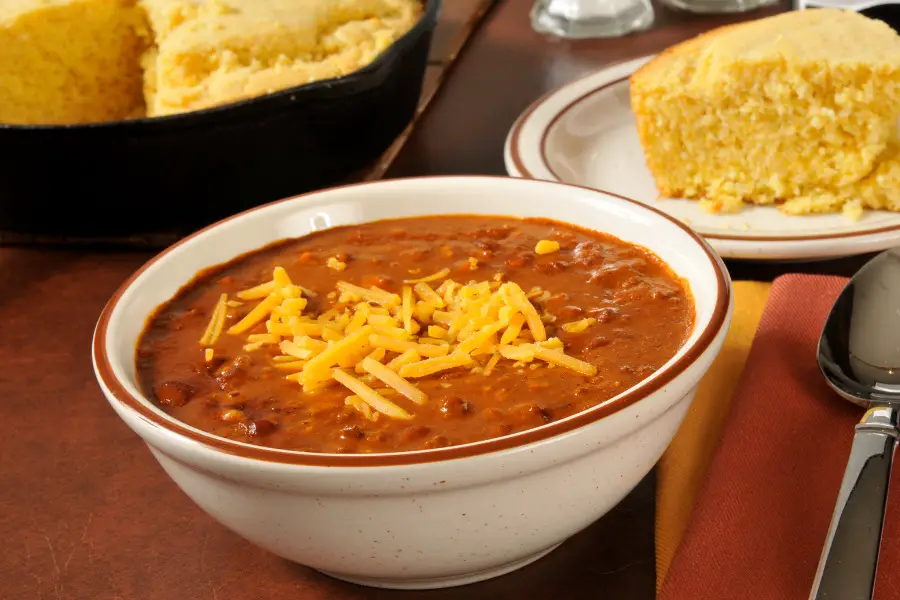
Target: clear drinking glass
<point x="718" y="6"/>
<point x="591" y="18"/>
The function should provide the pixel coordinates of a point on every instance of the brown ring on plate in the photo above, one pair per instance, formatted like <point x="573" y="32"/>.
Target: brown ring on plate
<point x="641" y="390"/>
<point x="520" y="165"/>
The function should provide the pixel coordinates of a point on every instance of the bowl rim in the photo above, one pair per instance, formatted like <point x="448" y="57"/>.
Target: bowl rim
<point x="427" y="22"/>
<point x="114" y="389"/>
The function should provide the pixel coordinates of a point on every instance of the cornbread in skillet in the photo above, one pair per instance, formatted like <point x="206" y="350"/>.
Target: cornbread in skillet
<point x="798" y="109"/>
<point x="211" y="52"/>
<point x="412" y="334"/>
<point x="81" y="61"/>
<point x="69" y="61"/>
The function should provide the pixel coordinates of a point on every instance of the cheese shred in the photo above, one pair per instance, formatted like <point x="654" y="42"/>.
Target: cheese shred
<point x="578" y="326"/>
<point x="433" y="277"/>
<point x="390" y="378"/>
<point x="216" y="322"/>
<point x="370" y="396"/>
<point x="375" y="343"/>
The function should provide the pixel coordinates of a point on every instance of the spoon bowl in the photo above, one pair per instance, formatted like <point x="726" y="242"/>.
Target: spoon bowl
<point x="859" y="351"/>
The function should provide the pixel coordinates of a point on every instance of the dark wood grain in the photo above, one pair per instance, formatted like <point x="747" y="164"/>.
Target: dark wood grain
<point x="87" y="513"/>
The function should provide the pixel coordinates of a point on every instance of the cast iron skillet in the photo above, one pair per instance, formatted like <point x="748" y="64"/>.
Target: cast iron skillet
<point x="177" y="173"/>
<point x="889" y="12"/>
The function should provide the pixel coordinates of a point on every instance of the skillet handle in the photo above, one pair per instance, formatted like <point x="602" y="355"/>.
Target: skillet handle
<point x="850" y="557"/>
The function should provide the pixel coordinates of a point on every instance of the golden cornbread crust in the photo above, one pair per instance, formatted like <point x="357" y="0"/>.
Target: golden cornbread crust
<point x="791" y="109"/>
<point x="82" y="61"/>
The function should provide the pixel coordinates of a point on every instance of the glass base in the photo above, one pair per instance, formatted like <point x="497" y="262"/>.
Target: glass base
<point x="710" y="7"/>
<point x="622" y="19"/>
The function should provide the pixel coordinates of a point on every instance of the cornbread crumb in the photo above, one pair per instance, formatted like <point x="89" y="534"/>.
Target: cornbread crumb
<point x="853" y="210"/>
<point x="790" y="110"/>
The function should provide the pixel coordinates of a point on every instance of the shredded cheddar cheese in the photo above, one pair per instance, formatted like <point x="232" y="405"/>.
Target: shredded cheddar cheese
<point x="375" y="343"/>
<point x="216" y="322"/>
<point x="433" y="277"/>
<point x="392" y="379"/>
<point x="255" y="293"/>
<point x="357" y="403"/>
<point x="428" y="295"/>
<point x="370" y="396"/>
<point x="578" y="326"/>
<point x="258" y="314"/>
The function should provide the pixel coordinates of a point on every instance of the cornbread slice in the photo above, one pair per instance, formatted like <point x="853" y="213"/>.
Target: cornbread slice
<point x="799" y="107"/>
<point x="210" y="52"/>
<point x="69" y="61"/>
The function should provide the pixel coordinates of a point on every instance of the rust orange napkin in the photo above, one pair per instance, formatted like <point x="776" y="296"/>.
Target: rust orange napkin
<point x="757" y="526"/>
<point x="683" y="467"/>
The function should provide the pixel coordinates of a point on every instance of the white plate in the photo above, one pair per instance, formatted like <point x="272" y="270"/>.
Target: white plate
<point x="584" y="133"/>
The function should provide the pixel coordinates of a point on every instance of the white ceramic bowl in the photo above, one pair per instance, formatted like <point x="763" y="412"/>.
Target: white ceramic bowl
<point x="432" y="518"/>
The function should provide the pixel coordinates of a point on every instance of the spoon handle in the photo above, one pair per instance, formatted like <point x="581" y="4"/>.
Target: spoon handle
<point x="850" y="557"/>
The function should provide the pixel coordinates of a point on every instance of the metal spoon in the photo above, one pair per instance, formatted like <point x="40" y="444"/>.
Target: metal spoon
<point x="859" y="355"/>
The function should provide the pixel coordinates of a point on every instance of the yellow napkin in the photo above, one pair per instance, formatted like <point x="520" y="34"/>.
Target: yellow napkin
<point x="681" y="470"/>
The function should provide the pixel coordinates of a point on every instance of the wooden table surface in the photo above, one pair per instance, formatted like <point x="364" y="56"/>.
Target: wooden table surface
<point x="86" y="512"/>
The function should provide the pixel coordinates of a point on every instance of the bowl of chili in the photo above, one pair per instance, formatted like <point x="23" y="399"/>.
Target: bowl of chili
<point x="416" y="383"/>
